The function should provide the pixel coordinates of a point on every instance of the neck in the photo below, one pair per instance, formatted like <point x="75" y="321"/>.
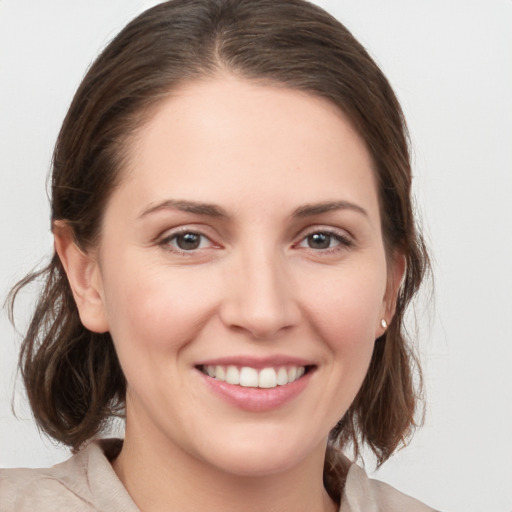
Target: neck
<point x="157" y="473"/>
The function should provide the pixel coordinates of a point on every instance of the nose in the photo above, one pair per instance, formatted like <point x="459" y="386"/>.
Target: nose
<point x="259" y="296"/>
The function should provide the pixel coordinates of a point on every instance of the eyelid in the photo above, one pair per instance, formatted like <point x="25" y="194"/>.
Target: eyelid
<point x="165" y="238"/>
<point x="344" y="237"/>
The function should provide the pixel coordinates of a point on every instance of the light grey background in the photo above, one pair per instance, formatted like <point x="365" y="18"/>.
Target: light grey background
<point x="450" y="62"/>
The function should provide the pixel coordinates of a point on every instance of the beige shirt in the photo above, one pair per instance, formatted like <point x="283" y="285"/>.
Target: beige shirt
<point x="86" y="483"/>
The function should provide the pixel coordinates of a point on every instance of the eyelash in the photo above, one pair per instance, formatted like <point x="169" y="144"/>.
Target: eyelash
<point x="344" y="242"/>
<point x="166" y="241"/>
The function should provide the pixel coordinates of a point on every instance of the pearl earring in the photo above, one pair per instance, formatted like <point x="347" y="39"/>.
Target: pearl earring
<point x="384" y="324"/>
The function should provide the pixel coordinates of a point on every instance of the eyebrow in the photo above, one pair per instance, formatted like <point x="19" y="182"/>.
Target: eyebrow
<point x="210" y="210"/>
<point x="310" y="210"/>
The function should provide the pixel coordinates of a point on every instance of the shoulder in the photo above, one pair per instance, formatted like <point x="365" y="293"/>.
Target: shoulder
<point x="60" y="487"/>
<point x="85" y="482"/>
<point x="363" y="494"/>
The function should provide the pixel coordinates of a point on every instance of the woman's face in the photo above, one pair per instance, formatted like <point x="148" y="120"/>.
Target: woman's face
<point x="243" y="248"/>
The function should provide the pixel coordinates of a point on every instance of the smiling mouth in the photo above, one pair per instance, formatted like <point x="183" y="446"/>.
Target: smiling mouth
<point x="248" y="377"/>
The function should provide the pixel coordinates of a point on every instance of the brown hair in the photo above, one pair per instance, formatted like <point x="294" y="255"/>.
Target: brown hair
<point x="72" y="376"/>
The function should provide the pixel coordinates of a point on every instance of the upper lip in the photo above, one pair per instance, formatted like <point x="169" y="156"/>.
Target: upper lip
<point x="256" y="362"/>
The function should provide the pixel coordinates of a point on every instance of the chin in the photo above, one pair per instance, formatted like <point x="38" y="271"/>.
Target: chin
<point x="257" y="464"/>
<point x="260" y="458"/>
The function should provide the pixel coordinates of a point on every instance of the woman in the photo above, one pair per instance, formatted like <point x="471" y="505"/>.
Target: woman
<point x="234" y="252"/>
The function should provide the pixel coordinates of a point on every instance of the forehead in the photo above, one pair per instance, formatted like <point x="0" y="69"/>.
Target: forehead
<point x="234" y="138"/>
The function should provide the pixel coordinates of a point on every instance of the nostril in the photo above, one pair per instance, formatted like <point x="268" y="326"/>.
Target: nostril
<point x="262" y="325"/>
<point x="261" y="302"/>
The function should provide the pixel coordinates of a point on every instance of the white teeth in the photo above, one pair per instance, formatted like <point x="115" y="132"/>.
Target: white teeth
<point x="220" y="373"/>
<point x="268" y="378"/>
<point x="250" y="377"/>
<point x="282" y="376"/>
<point x="232" y="375"/>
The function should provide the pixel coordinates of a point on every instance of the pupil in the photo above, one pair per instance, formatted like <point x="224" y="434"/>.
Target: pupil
<point x="319" y="241"/>
<point x="188" y="241"/>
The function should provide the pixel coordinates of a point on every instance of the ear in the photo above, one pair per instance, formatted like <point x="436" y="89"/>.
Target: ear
<point x="84" y="277"/>
<point x="396" y="272"/>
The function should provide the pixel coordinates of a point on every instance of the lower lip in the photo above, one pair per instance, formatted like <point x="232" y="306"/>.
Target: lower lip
<point x="257" y="399"/>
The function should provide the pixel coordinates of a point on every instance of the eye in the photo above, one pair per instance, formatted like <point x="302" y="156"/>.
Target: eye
<point x="186" y="241"/>
<point x="320" y="241"/>
<point x="325" y="241"/>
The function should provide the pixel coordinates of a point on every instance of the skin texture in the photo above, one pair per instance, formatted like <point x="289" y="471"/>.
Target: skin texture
<point x="256" y="287"/>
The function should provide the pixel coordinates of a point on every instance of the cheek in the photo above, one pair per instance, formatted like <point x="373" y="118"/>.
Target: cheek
<point x="346" y="309"/>
<point x="345" y="314"/>
<point x="155" y="310"/>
